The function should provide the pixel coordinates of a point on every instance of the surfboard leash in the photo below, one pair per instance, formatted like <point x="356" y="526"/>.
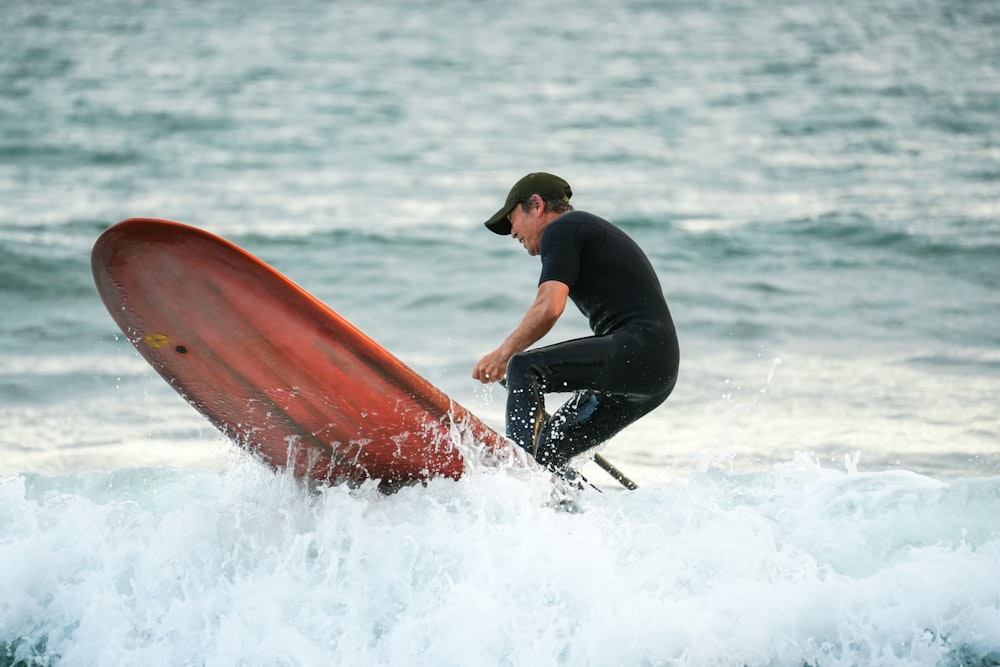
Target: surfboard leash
<point x="617" y="474"/>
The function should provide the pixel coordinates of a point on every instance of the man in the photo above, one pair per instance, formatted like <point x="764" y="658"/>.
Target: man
<point x="627" y="368"/>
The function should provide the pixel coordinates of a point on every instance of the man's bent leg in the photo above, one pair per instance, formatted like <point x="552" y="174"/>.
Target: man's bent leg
<point x="586" y="421"/>
<point x="610" y="393"/>
<point x="525" y="400"/>
<point x="568" y="366"/>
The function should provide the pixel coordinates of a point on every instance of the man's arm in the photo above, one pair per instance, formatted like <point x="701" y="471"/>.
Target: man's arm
<point x="550" y="302"/>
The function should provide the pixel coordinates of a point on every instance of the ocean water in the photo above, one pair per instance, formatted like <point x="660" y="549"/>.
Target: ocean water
<point x="817" y="184"/>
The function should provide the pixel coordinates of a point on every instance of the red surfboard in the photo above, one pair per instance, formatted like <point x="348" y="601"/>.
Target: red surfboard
<point x="275" y="369"/>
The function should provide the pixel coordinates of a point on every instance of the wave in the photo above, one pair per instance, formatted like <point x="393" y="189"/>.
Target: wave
<point x="838" y="240"/>
<point x="972" y="258"/>
<point x="860" y="230"/>
<point x="48" y="262"/>
<point x="38" y="155"/>
<point x="248" y="567"/>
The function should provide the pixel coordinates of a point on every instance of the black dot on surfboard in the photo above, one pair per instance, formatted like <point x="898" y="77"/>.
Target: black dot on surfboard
<point x="181" y="349"/>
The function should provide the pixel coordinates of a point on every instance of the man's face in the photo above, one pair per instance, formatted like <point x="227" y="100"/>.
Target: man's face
<point x="525" y="227"/>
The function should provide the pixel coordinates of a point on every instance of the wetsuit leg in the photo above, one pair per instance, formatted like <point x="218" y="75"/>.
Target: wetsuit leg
<point x="587" y="420"/>
<point x="616" y="378"/>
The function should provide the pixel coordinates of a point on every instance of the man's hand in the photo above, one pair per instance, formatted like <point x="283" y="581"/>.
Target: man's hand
<point x="492" y="367"/>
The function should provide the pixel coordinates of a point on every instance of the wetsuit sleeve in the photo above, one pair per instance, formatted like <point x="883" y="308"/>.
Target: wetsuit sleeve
<point x="560" y="254"/>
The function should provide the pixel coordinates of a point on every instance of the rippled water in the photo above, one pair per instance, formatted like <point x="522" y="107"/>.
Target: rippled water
<point x="817" y="186"/>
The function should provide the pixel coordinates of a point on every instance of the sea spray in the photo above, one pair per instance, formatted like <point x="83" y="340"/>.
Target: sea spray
<point x="252" y="567"/>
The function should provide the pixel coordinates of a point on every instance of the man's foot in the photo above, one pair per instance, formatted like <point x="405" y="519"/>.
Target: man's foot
<point x="574" y="480"/>
<point x="566" y="506"/>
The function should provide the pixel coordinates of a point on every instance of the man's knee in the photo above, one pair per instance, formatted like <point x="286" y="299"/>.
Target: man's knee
<point x="521" y="370"/>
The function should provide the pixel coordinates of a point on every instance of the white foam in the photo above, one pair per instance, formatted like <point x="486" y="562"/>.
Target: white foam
<point x="149" y="566"/>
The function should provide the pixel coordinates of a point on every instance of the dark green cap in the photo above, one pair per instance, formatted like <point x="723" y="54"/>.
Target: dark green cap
<point x="546" y="186"/>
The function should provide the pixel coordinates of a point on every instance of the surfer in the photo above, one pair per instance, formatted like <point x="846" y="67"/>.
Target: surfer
<point x="627" y="368"/>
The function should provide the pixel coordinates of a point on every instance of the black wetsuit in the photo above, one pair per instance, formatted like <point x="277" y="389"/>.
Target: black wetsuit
<point x="618" y="375"/>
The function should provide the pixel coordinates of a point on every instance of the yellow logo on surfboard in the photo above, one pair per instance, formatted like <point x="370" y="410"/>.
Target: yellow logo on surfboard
<point x="155" y="341"/>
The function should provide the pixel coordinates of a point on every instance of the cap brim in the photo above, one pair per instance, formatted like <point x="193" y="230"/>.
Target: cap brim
<point x="499" y="224"/>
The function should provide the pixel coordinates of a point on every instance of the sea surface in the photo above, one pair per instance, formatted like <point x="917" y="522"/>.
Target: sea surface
<point x="817" y="184"/>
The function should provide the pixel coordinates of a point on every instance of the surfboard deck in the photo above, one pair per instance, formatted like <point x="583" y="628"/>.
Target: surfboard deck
<point x="278" y="371"/>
